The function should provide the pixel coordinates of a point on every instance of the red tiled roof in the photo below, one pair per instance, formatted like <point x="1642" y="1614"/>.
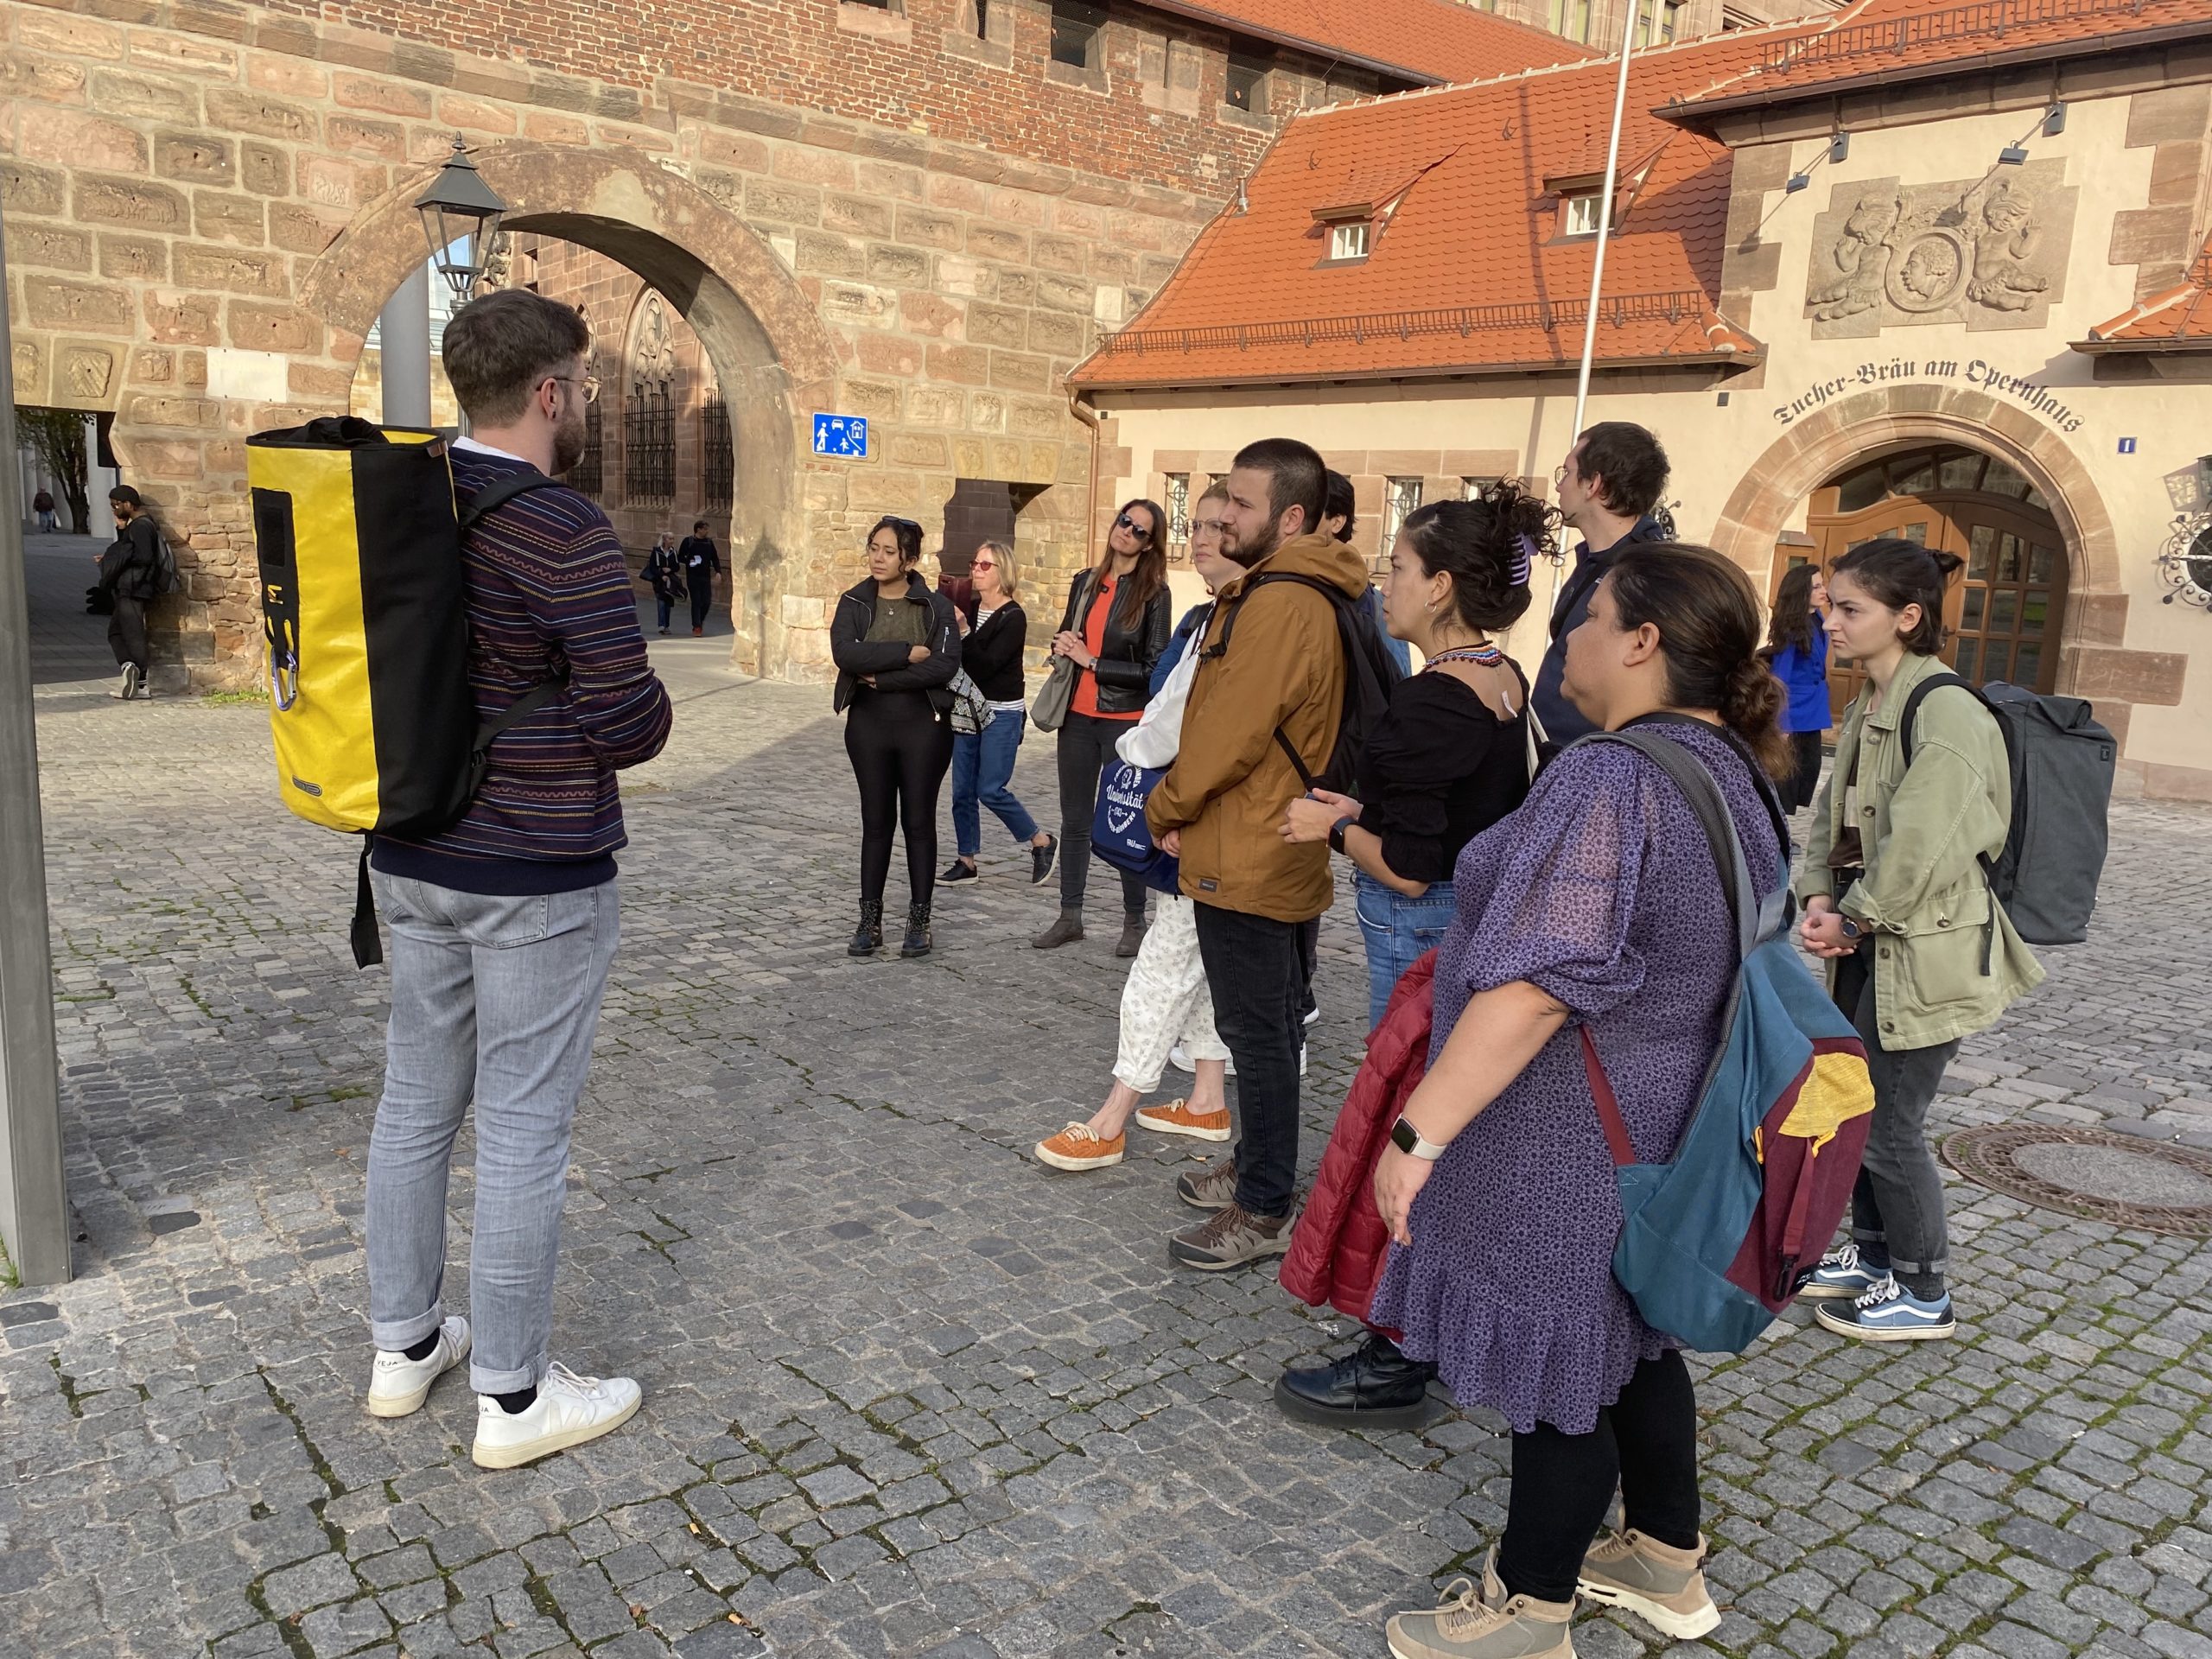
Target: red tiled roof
<point x="1433" y="41"/>
<point x="1463" y="274"/>
<point x="2179" y="319"/>
<point x="1905" y="39"/>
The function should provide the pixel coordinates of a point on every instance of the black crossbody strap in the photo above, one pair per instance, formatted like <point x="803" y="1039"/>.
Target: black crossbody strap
<point x="494" y="495"/>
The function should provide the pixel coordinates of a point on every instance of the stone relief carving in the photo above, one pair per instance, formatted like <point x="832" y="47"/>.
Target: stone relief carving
<point x="87" y="371"/>
<point x="652" y="346"/>
<point x="1990" y="253"/>
<point x="498" y="262"/>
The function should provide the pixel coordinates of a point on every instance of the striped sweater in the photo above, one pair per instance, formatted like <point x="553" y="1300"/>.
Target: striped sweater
<point x="548" y="593"/>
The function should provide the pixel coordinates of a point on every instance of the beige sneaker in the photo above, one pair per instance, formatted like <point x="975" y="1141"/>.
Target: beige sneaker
<point x="1230" y="1237"/>
<point x="1176" y="1117"/>
<point x="1208" y="1188"/>
<point x="1660" y="1584"/>
<point x="1491" y="1625"/>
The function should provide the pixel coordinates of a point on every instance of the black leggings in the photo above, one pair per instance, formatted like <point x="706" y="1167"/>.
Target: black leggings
<point x="1645" y="1443"/>
<point x="1805" y="771"/>
<point x="1086" y="749"/>
<point x="900" y="748"/>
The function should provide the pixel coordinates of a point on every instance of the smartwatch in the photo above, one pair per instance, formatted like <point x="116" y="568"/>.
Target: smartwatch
<point x="1852" y="930"/>
<point x="1409" y="1140"/>
<point x="1336" y="832"/>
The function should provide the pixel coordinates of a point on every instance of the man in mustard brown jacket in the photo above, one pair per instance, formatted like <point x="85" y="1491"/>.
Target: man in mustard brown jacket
<point x="1220" y="811"/>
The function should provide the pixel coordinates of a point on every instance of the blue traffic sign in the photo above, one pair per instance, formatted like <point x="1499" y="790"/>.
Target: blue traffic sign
<point x="841" y="435"/>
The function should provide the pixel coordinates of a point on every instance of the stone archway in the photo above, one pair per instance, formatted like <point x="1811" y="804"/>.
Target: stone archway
<point x="1872" y="424"/>
<point x="771" y="354"/>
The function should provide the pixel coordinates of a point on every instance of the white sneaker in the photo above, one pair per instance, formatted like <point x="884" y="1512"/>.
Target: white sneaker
<point x="568" y="1410"/>
<point x="1313" y="1014"/>
<point x="398" y="1385"/>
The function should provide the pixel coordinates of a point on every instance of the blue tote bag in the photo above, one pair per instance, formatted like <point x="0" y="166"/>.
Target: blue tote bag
<point x="1119" y="834"/>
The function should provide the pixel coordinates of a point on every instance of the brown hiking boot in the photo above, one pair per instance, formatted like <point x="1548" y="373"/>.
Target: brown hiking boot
<point x="1208" y="1188"/>
<point x="1491" y="1625"/>
<point x="1231" y="1238"/>
<point x="1662" y="1585"/>
<point x="1132" y="939"/>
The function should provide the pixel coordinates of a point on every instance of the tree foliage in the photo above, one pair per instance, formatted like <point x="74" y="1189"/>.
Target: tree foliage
<point x="57" y="436"/>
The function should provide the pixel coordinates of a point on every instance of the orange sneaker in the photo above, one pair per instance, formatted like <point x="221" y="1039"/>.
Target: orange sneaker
<point x="1078" y="1148"/>
<point x="1176" y="1117"/>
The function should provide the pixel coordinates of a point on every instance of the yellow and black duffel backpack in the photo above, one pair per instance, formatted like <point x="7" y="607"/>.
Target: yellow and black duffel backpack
<point x="358" y="537"/>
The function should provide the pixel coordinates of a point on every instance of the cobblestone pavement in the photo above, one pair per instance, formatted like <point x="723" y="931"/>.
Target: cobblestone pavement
<point x="905" y="1392"/>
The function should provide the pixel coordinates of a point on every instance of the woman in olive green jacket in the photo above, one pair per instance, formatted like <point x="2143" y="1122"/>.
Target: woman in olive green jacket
<point x="1897" y="898"/>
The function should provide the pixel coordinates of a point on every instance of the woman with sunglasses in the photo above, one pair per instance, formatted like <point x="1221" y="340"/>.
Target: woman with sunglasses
<point x="1116" y="626"/>
<point x="982" y="762"/>
<point x="896" y="646"/>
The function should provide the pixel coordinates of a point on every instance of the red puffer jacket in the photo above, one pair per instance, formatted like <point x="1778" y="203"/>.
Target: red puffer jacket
<point x="1336" y="1253"/>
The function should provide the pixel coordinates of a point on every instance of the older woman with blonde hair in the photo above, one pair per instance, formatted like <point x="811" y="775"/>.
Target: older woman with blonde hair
<point x="982" y="762"/>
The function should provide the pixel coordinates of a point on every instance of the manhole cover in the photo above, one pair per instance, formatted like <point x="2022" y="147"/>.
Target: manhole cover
<point x="2130" y="1182"/>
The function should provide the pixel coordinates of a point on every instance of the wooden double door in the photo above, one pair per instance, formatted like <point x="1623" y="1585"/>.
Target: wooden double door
<point x="2004" y="616"/>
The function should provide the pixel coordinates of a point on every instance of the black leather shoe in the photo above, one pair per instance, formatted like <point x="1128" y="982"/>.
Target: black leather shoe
<point x="1374" y="1386"/>
<point x="917" y="942"/>
<point x="867" y="937"/>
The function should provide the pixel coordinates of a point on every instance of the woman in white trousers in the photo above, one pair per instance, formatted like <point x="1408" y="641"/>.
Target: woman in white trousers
<point x="1167" y="1003"/>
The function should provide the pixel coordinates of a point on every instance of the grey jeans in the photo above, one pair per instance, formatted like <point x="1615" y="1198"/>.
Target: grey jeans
<point x="493" y="999"/>
<point x="1896" y="1209"/>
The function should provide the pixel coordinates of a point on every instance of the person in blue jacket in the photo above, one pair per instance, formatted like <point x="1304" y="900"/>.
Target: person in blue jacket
<point x="1797" y="650"/>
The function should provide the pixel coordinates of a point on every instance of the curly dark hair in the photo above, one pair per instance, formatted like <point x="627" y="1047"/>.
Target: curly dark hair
<point x="1478" y="543"/>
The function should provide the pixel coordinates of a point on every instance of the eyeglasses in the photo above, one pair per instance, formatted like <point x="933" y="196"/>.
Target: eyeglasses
<point x="1125" y="522"/>
<point x="1559" y="473"/>
<point x="984" y="564"/>
<point x="589" y="383"/>
<point x="1211" y="526"/>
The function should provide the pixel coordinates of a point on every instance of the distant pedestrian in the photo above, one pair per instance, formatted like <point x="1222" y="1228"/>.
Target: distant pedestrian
<point x="665" y="574"/>
<point x="701" y="563"/>
<point x="130" y="576"/>
<point x="1113" y="632"/>
<point x="504" y="924"/>
<point x="896" y="643"/>
<point x="1897" y="898"/>
<point x="1593" y="914"/>
<point x="1608" y="486"/>
<point x="1166" y="1005"/>
<point x="1339" y="510"/>
<point x="982" y="762"/>
<point x="1276" y="687"/>
<point x="1797" y="646"/>
<point x="42" y="505"/>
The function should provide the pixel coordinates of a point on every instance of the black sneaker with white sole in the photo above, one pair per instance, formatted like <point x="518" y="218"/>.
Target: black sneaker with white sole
<point x="1040" y="860"/>
<point x="956" y="872"/>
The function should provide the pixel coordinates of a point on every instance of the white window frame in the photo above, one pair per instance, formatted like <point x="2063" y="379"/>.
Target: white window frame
<point x="1401" y="500"/>
<point x="1578" y="214"/>
<point x="1352" y="240"/>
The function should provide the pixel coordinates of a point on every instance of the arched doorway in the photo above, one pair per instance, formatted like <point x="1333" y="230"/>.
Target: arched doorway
<point x="2006" y="616"/>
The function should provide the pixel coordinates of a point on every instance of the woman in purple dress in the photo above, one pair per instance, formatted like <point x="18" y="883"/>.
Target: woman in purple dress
<point x="1598" y="905"/>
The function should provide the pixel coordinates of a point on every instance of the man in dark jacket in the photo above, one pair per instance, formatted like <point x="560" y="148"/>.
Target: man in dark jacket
<point x="129" y="574"/>
<point x="702" y="564"/>
<point x="1608" y="486"/>
<point x="504" y="923"/>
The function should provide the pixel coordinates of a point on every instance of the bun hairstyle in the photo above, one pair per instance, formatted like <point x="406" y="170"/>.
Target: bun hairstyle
<point x="1487" y="547"/>
<point x="1708" y="616"/>
<point x="907" y="533"/>
<point x="1897" y="573"/>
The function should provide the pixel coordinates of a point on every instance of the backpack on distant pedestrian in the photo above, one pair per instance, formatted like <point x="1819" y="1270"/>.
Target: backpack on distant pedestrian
<point x="1716" y="1241"/>
<point x="1368" y="675"/>
<point x="358" y="535"/>
<point x="163" y="580"/>
<point x="2062" y="763"/>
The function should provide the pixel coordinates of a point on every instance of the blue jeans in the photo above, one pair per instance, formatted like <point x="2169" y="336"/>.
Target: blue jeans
<point x="1398" y="931"/>
<point x="983" y="769"/>
<point x="666" y="602"/>
<point x="492" y="1000"/>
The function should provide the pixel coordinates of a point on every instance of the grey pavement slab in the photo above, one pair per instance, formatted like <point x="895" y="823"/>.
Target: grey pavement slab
<point x="906" y="1392"/>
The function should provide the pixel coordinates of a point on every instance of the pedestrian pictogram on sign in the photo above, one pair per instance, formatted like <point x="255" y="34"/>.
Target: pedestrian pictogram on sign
<point x="841" y="435"/>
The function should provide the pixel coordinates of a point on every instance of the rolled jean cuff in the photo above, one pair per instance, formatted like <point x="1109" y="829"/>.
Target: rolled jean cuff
<point x="397" y="1336"/>
<point x="484" y="1380"/>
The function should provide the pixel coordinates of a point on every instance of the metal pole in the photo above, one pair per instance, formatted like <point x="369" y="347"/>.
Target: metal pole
<point x="1605" y="221"/>
<point x="403" y="329"/>
<point x="34" y="1198"/>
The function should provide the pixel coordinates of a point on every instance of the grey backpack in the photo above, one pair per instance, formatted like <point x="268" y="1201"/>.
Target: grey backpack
<point x="2062" y="763"/>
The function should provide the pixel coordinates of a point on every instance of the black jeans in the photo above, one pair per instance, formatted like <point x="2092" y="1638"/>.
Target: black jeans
<point x="1252" y="967"/>
<point x="126" y="631"/>
<point x="703" y="599"/>
<point x="1087" y="748"/>
<point x="1805" y="774"/>
<point x="1897" y="1208"/>
<point x="900" y="747"/>
<point x="1645" y="1443"/>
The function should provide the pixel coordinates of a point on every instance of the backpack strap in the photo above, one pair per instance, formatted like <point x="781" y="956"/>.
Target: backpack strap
<point x="498" y="494"/>
<point x="1918" y="695"/>
<point x="1356" y="665"/>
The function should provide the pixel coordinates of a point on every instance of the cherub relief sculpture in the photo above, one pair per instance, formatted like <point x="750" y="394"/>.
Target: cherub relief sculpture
<point x="2004" y="243"/>
<point x="1861" y="257"/>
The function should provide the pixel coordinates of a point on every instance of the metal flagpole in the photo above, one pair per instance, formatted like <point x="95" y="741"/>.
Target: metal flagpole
<point x="1633" y="9"/>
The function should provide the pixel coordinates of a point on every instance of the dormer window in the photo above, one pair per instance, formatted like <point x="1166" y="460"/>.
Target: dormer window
<point x="1578" y="214"/>
<point x="1350" y="240"/>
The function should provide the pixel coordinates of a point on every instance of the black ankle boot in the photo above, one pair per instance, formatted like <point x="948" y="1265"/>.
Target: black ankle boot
<point x="917" y="942"/>
<point x="867" y="937"/>
<point x="1373" y="1387"/>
